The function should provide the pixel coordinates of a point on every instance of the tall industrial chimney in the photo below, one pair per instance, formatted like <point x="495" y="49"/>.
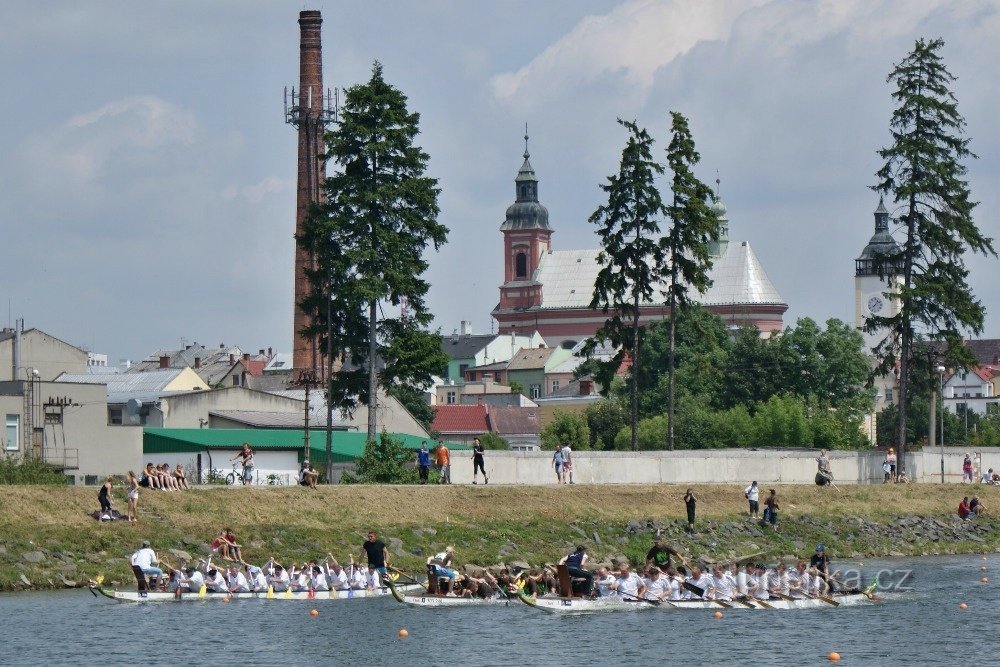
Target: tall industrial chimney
<point x="308" y="114"/>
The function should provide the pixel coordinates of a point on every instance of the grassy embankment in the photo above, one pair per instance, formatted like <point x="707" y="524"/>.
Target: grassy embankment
<point x="486" y="524"/>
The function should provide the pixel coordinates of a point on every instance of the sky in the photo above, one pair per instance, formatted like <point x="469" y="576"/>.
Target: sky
<point x="147" y="178"/>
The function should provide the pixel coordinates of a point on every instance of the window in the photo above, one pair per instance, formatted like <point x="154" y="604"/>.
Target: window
<point x="888" y="395"/>
<point x="115" y="416"/>
<point x="11" y="436"/>
<point x="496" y="376"/>
<point x="521" y="265"/>
<point x="461" y="370"/>
<point x="450" y="399"/>
<point x="555" y="385"/>
<point x="236" y="380"/>
<point x="536" y="391"/>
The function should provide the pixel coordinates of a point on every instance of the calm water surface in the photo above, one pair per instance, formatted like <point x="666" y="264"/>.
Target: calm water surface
<point x="920" y="627"/>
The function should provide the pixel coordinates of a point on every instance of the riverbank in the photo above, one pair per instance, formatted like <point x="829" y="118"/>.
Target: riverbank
<point x="47" y="539"/>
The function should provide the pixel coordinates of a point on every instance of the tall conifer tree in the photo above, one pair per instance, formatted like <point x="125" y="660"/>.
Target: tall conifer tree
<point x="631" y="256"/>
<point x="923" y="172"/>
<point x="686" y="247"/>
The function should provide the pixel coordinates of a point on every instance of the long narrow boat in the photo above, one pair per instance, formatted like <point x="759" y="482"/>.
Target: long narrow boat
<point x="317" y="596"/>
<point x="425" y="599"/>
<point x="562" y="605"/>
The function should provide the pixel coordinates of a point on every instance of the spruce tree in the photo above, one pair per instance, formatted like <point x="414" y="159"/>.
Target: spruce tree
<point x="369" y="236"/>
<point x="631" y="256"/>
<point x="686" y="247"/>
<point x="924" y="174"/>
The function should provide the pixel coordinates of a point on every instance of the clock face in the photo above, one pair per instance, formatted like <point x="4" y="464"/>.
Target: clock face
<point x="875" y="304"/>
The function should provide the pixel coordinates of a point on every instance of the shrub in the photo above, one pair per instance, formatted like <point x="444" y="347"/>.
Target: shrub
<point x="385" y="461"/>
<point x="566" y="428"/>
<point x="28" y="471"/>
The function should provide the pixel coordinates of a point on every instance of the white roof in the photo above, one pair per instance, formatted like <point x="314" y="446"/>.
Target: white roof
<point x="145" y="387"/>
<point x="569" y="365"/>
<point x="568" y="277"/>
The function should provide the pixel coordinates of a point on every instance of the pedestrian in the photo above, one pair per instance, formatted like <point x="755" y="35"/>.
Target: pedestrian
<point x="890" y="458"/>
<point x="104" y="497"/>
<point x="967" y="469"/>
<point x="424" y="462"/>
<point x="133" y="497"/>
<point x="478" y="461"/>
<point x="567" y="463"/>
<point x="771" y="509"/>
<point x="557" y="462"/>
<point x="689" y="503"/>
<point x="443" y="457"/>
<point x="246" y="456"/>
<point x="752" y="494"/>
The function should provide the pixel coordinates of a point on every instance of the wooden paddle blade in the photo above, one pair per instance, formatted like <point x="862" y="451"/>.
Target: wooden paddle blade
<point x="723" y="603"/>
<point x="829" y="600"/>
<point x="697" y="590"/>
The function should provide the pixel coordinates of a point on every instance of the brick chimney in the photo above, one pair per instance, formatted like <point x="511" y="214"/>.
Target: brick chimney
<point x="232" y="359"/>
<point x="309" y="122"/>
<point x="246" y="356"/>
<point x="197" y="362"/>
<point x="164" y="361"/>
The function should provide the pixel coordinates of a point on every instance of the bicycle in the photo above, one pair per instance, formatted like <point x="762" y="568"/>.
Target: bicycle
<point x="232" y="477"/>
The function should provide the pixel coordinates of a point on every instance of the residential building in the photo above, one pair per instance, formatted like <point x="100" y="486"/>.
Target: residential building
<point x="221" y="367"/>
<point x="32" y="352"/>
<point x="519" y="426"/>
<point x="456" y="393"/>
<point x="466" y="350"/>
<point x="135" y="399"/>
<point x="971" y="390"/>
<point x="529" y="366"/>
<point x="576" y="396"/>
<point x="460" y="423"/>
<point x="496" y="372"/>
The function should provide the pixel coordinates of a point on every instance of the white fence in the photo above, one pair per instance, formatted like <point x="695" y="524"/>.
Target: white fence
<point x="718" y="466"/>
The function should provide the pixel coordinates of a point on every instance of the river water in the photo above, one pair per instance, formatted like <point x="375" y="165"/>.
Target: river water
<point x="921" y="624"/>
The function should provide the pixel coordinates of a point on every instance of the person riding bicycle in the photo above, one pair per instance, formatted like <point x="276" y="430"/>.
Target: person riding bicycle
<point x="246" y="455"/>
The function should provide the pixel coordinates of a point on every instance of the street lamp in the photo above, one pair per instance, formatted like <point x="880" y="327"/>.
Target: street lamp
<point x="940" y="370"/>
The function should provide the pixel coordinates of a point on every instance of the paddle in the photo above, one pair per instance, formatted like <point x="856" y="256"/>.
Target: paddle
<point x="655" y="603"/>
<point x="828" y="600"/>
<point x="700" y="592"/>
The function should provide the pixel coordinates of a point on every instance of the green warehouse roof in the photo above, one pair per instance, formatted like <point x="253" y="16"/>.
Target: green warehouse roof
<point x="347" y="445"/>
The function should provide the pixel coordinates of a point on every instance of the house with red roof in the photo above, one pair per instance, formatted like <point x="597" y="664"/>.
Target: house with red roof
<point x="972" y="389"/>
<point x="519" y="426"/>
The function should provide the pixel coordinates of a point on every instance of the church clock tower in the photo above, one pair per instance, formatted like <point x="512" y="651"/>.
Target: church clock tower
<point x="526" y="238"/>
<point x="870" y="290"/>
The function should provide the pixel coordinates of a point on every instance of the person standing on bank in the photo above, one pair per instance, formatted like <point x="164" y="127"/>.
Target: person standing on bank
<point x="690" y="503"/>
<point x="246" y="456"/>
<point x="574" y="563"/>
<point x="424" y="462"/>
<point x="478" y="462"/>
<point x="771" y="509"/>
<point x="752" y="494"/>
<point x="567" y="464"/>
<point x="443" y="457"/>
<point x="104" y="497"/>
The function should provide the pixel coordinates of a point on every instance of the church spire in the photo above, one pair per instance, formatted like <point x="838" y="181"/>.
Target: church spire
<point x="526" y="212"/>
<point x="881" y="217"/>
<point x="526" y="183"/>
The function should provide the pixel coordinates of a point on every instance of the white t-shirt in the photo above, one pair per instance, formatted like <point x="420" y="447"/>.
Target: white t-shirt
<point x="604" y="585"/>
<point x="216" y="583"/>
<point x="144" y="557"/>
<point x="725" y="586"/>
<point x="338" y="580"/>
<point x="360" y="578"/>
<point x="656" y="588"/>
<point x="752" y="493"/>
<point x="259" y="581"/>
<point x="704" y="582"/>
<point x="196" y="581"/>
<point x="741" y="582"/>
<point x="238" y="581"/>
<point x="319" y="582"/>
<point x="675" y="589"/>
<point x="567" y="455"/>
<point x="629" y="585"/>
<point x="763" y="584"/>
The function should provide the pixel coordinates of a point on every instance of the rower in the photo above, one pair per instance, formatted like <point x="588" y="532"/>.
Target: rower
<point x="237" y="580"/>
<point x="318" y="580"/>
<point x="299" y="578"/>
<point x="778" y="581"/>
<point x="214" y="581"/>
<point x="723" y="584"/>
<point x="799" y="579"/>
<point x="277" y="578"/>
<point x="605" y="582"/>
<point x="673" y="582"/>
<point x="657" y="587"/>
<point x="336" y="574"/>
<point x="739" y="575"/>
<point x="442" y="564"/>
<point x="256" y="579"/>
<point x="760" y="589"/>
<point x="699" y="580"/>
<point x="145" y="559"/>
<point x="192" y="580"/>
<point x="821" y="562"/>
<point x="628" y="584"/>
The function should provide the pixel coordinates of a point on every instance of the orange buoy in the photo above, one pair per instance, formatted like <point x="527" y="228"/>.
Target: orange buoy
<point x="962" y="605"/>
<point x="984" y="580"/>
<point x="982" y="568"/>
<point x="225" y="599"/>
<point x="314" y="612"/>
<point x="717" y="614"/>
<point x="833" y="656"/>
<point x="404" y="633"/>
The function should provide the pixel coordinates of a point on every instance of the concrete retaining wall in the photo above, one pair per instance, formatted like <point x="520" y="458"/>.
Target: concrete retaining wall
<point x="717" y="466"/>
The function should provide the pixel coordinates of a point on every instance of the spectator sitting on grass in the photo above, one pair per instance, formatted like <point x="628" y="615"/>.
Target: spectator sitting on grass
<point x="963" y="509"/>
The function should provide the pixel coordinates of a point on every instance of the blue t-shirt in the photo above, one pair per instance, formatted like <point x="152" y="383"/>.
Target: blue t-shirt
<point x="423" y="457"/>
<point x="558" y="457"/>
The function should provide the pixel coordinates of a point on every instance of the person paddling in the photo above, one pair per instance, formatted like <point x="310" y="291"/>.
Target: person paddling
<point x="659" y="555"/>
<point x="574" y="565"/>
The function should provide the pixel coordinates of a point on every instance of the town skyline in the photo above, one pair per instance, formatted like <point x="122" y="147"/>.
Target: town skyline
<point x="150" y="200"/>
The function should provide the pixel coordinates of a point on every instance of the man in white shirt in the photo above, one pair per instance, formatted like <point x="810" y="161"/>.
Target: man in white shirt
<point x="145" y="559"/>
<point x="752" y="494"/>
<point x="700" y="580"/>
<point x="256" y="579"/>
<point x="567" y="463"/>
<point x="318" y="580"/>
<point x="215" y="582"/>
<point x="359" y="580"/>
<point x="628" y="584"/>
<point x="192" y="580"/>
<point x="778" y="581"/>
<point x="336" y="576"/>
<point x="763" y="589"/>
<point x="657" y="587"/>
<point x="605" y="582"/>
<point x="237" y="581"/>
<point x="278" y="579"/>
<point x="739" y="575"/>
<point x="673" y="583"/>
<point x="799" y="580"/>
<point x="372" y="580"/>
<point x="723" y="584"/>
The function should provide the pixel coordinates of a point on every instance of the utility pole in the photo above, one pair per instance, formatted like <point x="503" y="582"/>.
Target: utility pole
<point x="306" y="379"/>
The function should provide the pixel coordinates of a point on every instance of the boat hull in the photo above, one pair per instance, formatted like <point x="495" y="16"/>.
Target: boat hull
<point x="316" y="596"/>
<point x="560" y="605"/>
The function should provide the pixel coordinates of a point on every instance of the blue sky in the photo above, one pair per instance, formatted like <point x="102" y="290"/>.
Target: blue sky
<point x="147" y="183"/>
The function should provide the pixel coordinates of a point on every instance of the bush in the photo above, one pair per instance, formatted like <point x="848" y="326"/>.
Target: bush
<point x="493" y="441"/>
<point x="385" y="461"/>
<point x="566" y="428"/>
<point x="29" y="471"/>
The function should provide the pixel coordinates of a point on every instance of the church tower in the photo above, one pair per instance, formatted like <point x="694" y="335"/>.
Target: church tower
<point x="869" y="289"/>
<point x="526" y="238"/>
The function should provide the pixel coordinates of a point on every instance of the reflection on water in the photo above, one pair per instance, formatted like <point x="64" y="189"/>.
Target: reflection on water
<point x="920" y="627"/>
